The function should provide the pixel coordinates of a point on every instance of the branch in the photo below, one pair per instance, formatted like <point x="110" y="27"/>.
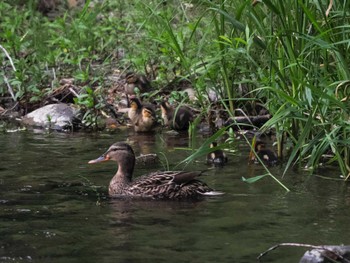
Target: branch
<point x="8" y="56"/>
<point x="329" y="7"/>
<point x="5" y="78"/>
<point x="9" y="88"/>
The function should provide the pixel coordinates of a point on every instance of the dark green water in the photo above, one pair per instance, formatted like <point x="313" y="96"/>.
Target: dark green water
<point x="49" y="211"/>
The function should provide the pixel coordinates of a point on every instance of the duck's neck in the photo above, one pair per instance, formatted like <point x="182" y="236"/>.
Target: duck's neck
<point x="123" y="177"/>
<point x="168" y="116"/>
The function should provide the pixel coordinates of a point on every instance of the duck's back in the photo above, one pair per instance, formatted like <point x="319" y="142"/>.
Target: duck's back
<point x="168" y="185"/>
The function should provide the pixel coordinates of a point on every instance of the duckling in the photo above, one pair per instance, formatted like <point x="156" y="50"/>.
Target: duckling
<point x="216" y="157"/>
<point x="111" y="124"/>
<point x="143" y="117"/>
<point x="147" y="159"/>
<point x="182" y="119"/>
<point x="265" y="155"/>
<point x="135" y="108"/>
<point x="173" y="185"/>
<point x="134" y="81"/>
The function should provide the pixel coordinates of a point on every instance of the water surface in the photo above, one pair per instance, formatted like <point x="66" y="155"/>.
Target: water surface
<point x="54" y="208"/>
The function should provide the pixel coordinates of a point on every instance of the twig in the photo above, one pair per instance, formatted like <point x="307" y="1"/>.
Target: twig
<point x="302" y="245"/>
<point x="329" y="7"/>
<point x="7" y="110"/>
<point x="8" y="56"/>
<point x="5" y="78"/>
<point x="9" y="88"/>
<point x="244" y="114"/>
<point x="74" y="92"/>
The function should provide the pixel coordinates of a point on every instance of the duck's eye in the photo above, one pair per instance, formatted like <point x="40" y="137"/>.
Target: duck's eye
<point x="118" y="149"/>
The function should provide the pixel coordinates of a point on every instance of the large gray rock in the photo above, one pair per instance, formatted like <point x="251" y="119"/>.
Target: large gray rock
<point x="53" y="116"/>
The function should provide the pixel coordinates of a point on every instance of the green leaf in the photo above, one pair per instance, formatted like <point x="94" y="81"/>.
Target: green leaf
<point x="253" y="179"/>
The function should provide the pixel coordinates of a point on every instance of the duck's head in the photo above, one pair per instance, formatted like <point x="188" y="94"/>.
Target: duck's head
<point x="211" y="156"/>
<point x="265" y="155"/>
<point x="213" y="144"/>
<point x="118" y="152"/>
<point x="216" y="157"/>
<point x="137" y="79"/>
<point x="147" y="113"/>
<point x="165" y="107"/>
<point x="135" y="103"/>
<point x="131" y="77"/>
<point x="166" y="112"/>
<point x="259" y="145"/>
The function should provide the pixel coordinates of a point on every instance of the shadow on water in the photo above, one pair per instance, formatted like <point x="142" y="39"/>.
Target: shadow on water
<point x="54" y="207"/>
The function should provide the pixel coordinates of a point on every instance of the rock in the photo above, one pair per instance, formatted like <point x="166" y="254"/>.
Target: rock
<point x="53" y="116"/>
<point x="327" y="254"/>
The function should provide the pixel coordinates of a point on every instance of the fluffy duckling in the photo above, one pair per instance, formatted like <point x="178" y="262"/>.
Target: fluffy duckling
<point x="147" y="159"/>
<point x="175" y="185"/>
<point x="265" y="155"/>
<point x="178" y="122"/>
<point x="216" y="157"/>
<point x="143" y="117"/>
<point x="134" y="81"/>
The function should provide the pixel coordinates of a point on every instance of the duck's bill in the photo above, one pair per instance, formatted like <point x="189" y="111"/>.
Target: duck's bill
<point x="100" y="159"/>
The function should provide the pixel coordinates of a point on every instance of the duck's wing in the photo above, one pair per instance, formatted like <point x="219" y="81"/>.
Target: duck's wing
<point x="154" y="179"/>
<point x="154" y="185"/>
<point x="166" y="177"/>
<point x="184" y="177"/>
<point x="170" y="185"/>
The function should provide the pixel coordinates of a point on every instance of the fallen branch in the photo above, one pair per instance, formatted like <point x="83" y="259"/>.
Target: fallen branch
<point x="256" y="121"/>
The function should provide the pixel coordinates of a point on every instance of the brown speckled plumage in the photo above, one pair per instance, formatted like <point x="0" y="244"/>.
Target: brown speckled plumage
<point x="175" y="185"/>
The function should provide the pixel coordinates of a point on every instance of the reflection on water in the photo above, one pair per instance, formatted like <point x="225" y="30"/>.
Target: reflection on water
<point x="54" y="207"/>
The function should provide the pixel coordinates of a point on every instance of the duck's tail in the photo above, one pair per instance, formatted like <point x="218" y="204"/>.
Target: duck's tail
<point x="213" y="193"/>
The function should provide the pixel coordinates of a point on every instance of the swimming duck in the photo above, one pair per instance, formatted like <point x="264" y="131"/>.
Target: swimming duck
<point x="174" y="185"/>
<point x="216" y="157"/>
<point x="265" y="155"/>
<point x="182" y="119"/>
<point x="134" y="81"/>
<point x="147" y="159"/>
<point x="143" y="117"/>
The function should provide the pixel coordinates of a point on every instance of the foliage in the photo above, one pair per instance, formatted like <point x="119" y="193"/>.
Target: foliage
<point x="307" y="56"/>
<point x="90" y="107"/>
<point x="45" y="51"/>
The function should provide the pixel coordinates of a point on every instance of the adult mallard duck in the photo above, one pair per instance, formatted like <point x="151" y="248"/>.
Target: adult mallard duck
<point x="142" y="116"/>
<point x="216" y="157"/>
<point x="265" y="155"/>
<point x="178" y="119"/>
<point x="175" y="185"/>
